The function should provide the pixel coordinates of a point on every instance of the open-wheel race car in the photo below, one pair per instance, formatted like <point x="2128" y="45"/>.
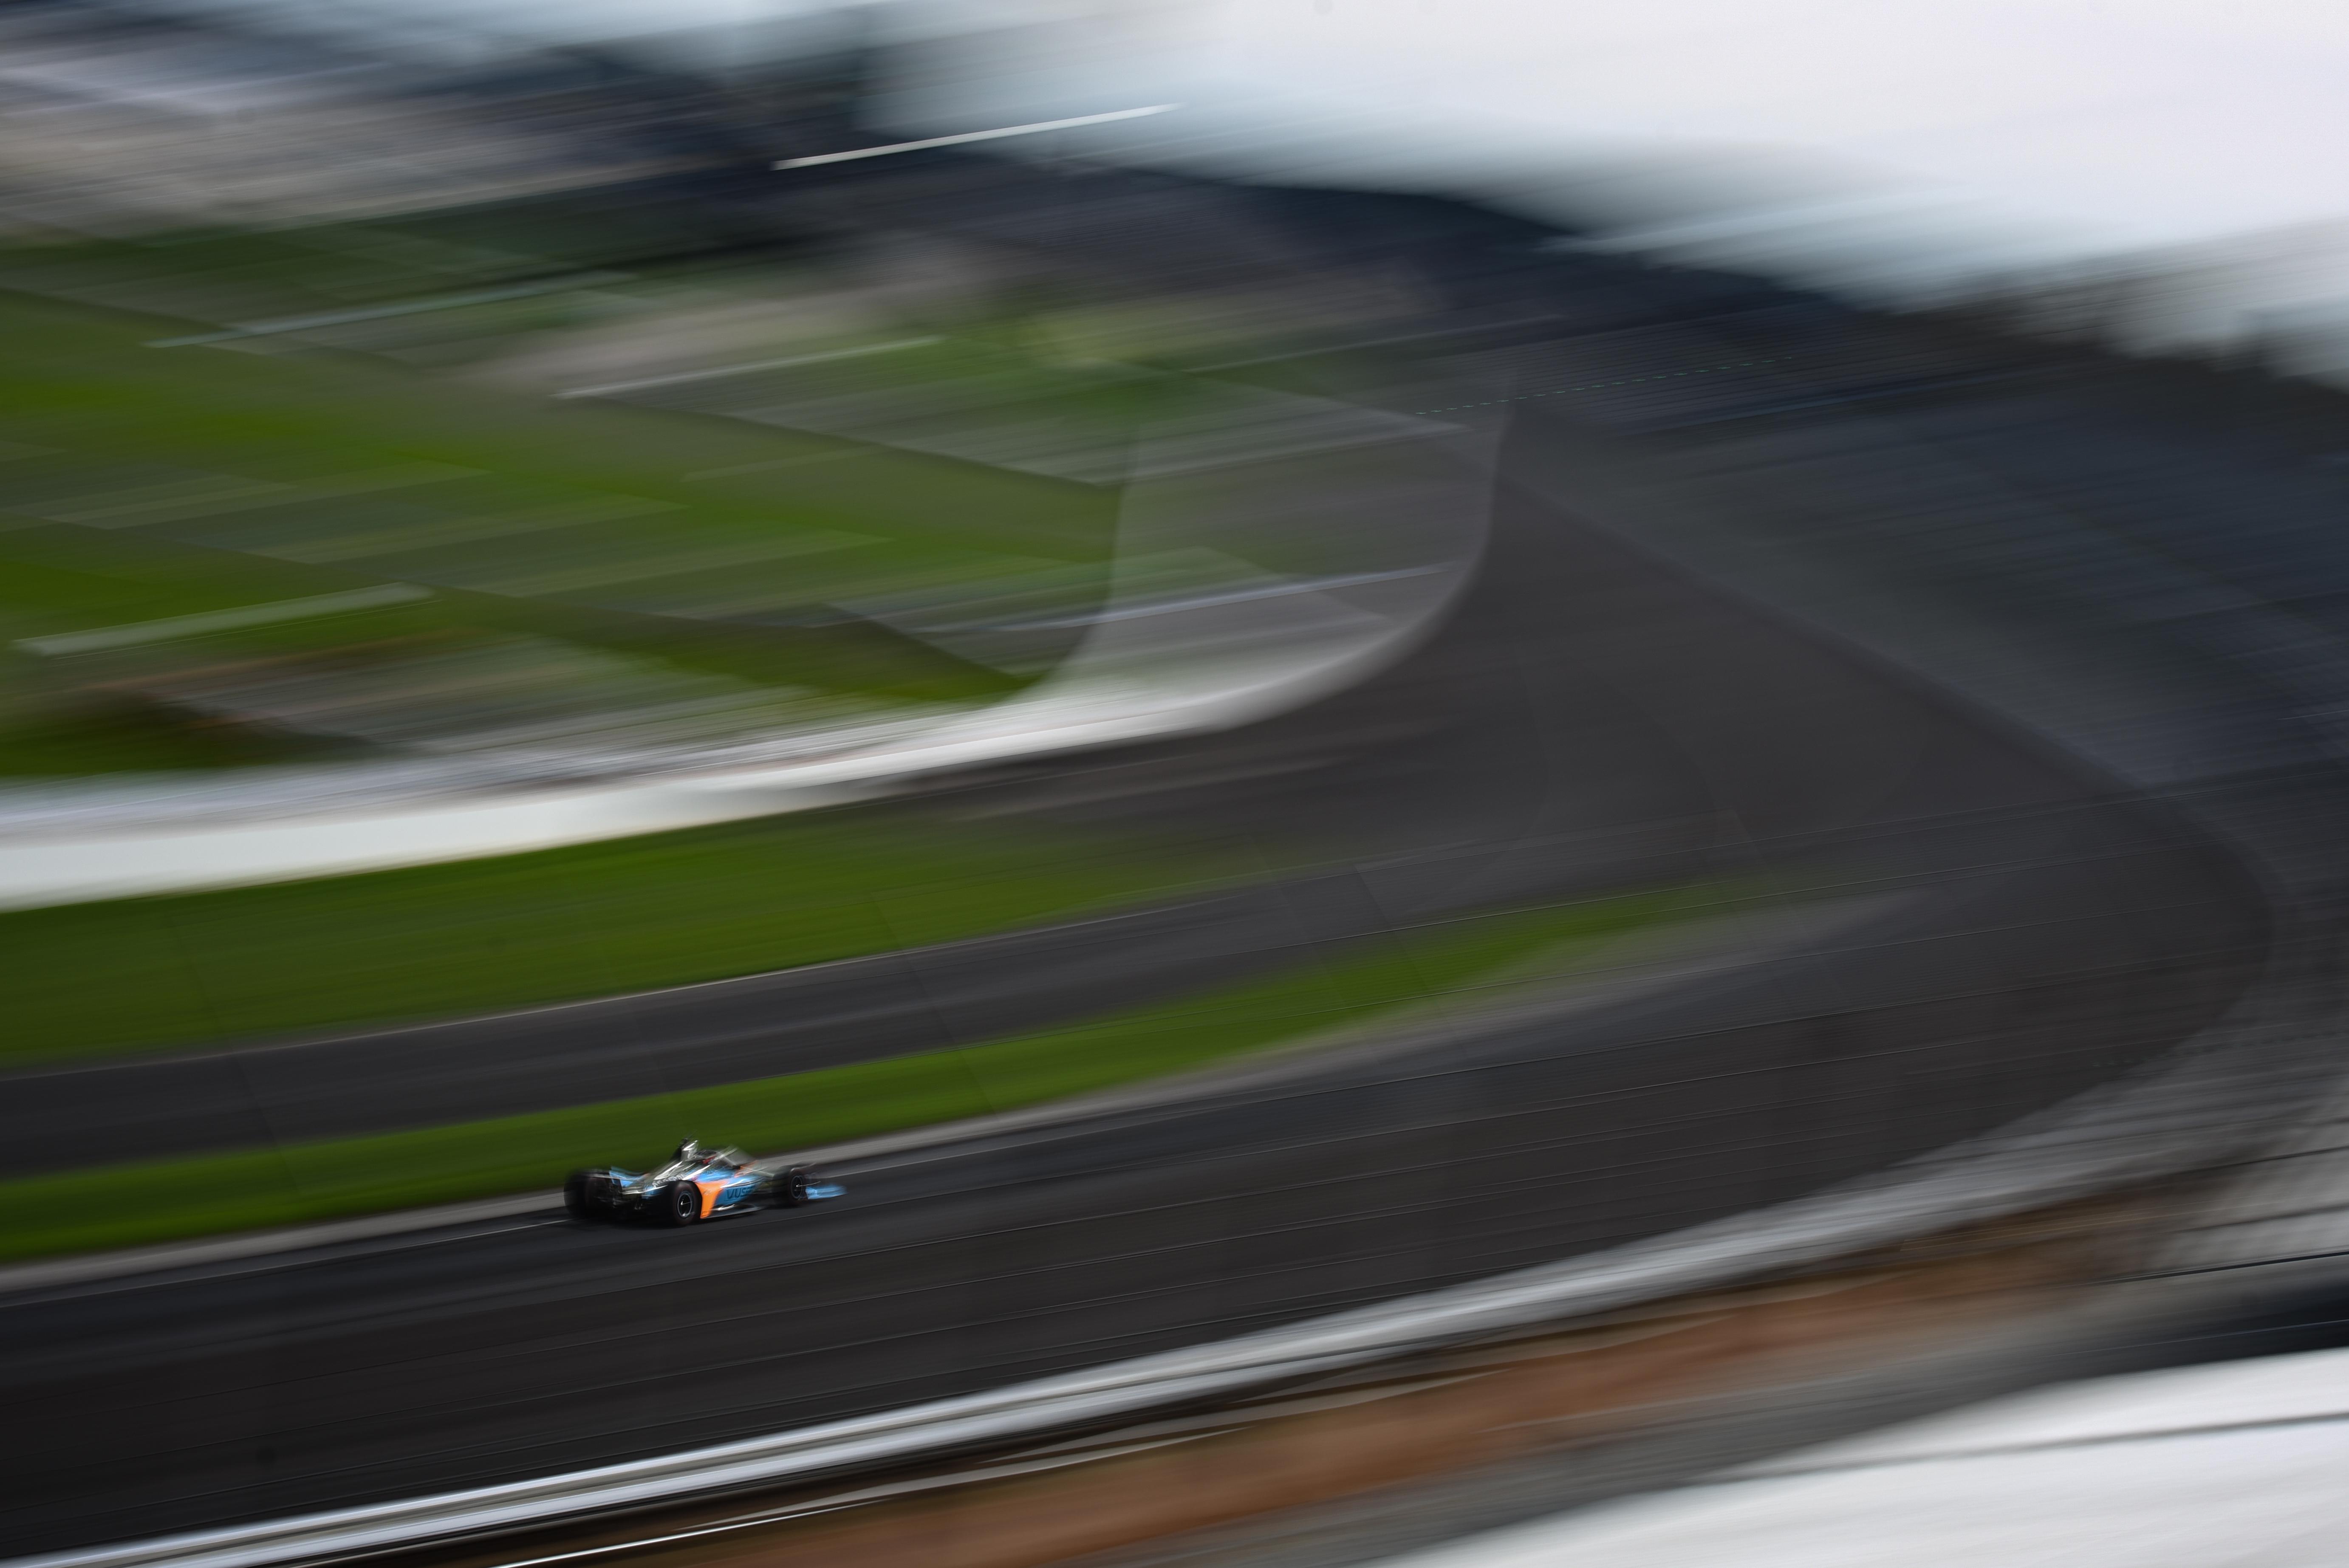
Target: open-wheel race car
<point x="696" y="1184"/>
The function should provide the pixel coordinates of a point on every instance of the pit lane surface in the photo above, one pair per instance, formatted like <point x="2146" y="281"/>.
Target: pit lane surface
<point x="1583" y="698"/>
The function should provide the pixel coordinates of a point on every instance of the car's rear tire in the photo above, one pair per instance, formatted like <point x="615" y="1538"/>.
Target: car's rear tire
<point x="792" y="1187"/>
<point x="582" y="1198"/>
<point x="681" y="1204"/>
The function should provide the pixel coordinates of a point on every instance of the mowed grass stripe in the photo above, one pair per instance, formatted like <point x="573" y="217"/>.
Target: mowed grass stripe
<point x="590" y="920"/>
<point x="124" y="467"/>
<point x="84" y="382"/>
<point x="152" y="1201"/>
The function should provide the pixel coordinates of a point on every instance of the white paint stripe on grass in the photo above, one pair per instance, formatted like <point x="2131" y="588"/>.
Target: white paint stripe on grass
<point x="610" y="388"/>
<point x="136" y="632"/>
<point x="381" y="312"/>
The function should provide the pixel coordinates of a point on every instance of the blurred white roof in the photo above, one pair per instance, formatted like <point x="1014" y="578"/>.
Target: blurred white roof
<point x="2240" y="1464"/>
<point x="1896" y="151"/>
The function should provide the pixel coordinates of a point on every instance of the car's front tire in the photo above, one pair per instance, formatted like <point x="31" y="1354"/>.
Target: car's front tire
<point x="680" y="1205"/>
<point x="581" y="1198"/>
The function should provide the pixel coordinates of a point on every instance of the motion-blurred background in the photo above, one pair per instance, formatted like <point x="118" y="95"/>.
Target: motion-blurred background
<point x="1528" y="782"/>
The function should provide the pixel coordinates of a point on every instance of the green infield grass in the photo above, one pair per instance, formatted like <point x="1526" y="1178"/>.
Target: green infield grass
<point x="140" y="480"/>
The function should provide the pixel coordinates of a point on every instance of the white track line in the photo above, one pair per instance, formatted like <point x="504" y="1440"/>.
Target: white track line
<point x="977" y="136"/>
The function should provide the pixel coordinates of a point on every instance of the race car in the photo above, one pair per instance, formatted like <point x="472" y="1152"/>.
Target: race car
<point x="696" y="1184"/>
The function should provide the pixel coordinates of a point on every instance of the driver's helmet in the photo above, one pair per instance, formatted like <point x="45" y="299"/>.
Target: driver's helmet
<point x="690" y="1150"/>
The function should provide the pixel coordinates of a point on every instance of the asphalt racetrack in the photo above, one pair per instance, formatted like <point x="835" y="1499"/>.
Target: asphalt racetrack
<point x="1585" y="713"/>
